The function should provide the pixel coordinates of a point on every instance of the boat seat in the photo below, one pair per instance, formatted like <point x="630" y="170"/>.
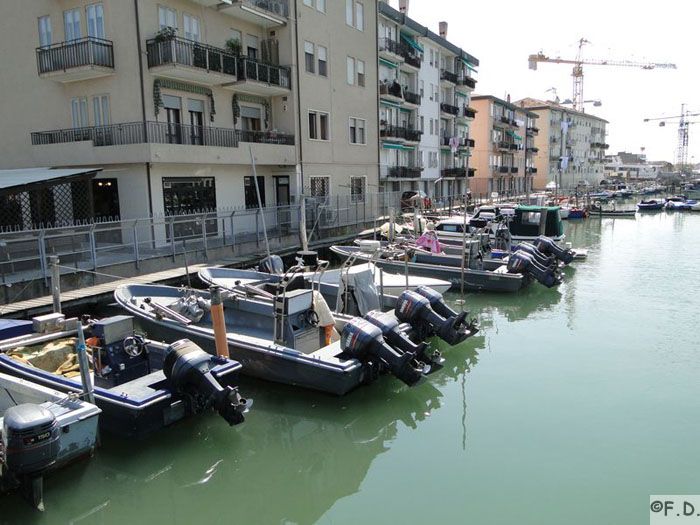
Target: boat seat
<point x="143" y="387"/>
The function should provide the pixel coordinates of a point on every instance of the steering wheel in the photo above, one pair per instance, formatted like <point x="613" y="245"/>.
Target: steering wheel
<point x="133" y="346"/>
<point x="312" y="318"/>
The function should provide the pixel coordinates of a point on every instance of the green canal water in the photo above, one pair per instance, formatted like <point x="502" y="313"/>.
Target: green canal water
<point x="571" y="406"/>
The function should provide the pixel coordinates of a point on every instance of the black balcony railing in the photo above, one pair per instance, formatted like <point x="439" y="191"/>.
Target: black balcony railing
<point x="471" y="143"/>
<point x="453" y="172"/>
<point x="390" y="45"/>
<point x="514" y="146"/>
<point x="532" y="170"/>
<point x="601" y="145"/>
<point x="449" y="76"/>
<point x="471" y="172"/>
<point x="532" y="129"/>
<point x="464" y="80"/>
<point x="400" y="132"/>
<point x="403" y="172"/>
<point x="88" y="51"/>
<point x="413" y="135"/>
<point x="249" y="69"/>
<point x="504" y="144"/>
<point x="505" y="120"/>
<point x="502" y="169"/>
<point x="411" y="98"/>
<point x="449" y="108"/>
<point x="533" y="149"/>
<point x="176" y="50"/>
<point x="514" y="169"/>
<point x="460" y="143"/>
<point x="141" y="133"/>
<point x="391" y="88"/>
<point x="467" y="112"/>
<point x="411" y="59"/>
<point x="265" y="137"/>
<point x="278" y="7"/>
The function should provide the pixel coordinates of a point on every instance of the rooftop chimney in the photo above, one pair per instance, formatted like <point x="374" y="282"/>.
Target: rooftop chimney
<point x="443" y="29"/>
<point x="403" y="6"/>
<point x="508" y="98"/>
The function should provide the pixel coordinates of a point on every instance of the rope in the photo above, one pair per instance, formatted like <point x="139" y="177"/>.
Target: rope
<point x="92" y="272"/>
<point x="2" y="310"/>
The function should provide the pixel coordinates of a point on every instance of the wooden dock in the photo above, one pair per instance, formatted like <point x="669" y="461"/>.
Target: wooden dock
<point x="92" y="294"/>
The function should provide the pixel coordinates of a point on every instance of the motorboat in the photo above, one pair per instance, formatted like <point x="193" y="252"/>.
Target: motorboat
<point x="281" y="330"/>
<point x="650" y="205"/>
<point x="597" y="210"/>
<point x="140" y="385"/>
<point x="41" y="430"/>
<point x="576" y="212"/>
<point x="679" y="202"/>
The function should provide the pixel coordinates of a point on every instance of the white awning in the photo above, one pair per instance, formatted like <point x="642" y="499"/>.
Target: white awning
<point x="15" y="179"/>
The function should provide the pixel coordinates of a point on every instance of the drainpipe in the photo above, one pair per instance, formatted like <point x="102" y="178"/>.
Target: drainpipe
<point x="298" y="86"/>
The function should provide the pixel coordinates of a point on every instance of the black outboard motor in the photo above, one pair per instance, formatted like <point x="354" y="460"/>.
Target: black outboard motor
<point x="415" y="309"/>
<point x="549" y="247"/>
<point x="30" y="440"/>
<point x="272" y="264"/>
<point x="542" y="259"/>
<point x="521" y="262"/>
<point x="186" y="366"/>
<point x="437" y="303"/>
<point x="362" y="340"/>
<point x="395" y="333"/>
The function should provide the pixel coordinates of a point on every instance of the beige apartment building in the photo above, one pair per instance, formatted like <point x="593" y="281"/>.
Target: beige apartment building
<point x="171" y="97"/>
<point x="506" y="151"/>
<point x="571" y="146"/>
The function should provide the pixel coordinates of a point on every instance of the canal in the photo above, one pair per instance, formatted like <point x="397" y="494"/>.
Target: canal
<point x="570" y="406"/>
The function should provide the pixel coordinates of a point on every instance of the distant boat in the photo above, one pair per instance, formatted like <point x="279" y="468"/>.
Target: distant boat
<point x="650" y="205"/>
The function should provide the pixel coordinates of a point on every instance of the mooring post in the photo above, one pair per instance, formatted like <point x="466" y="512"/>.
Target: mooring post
<point x="55" y="283"/>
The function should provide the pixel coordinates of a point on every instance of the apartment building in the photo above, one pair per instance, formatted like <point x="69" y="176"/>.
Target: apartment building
<point x="175" y="99"/>
<point x="571" y="145"/>
<point x="425" y="84"/>
<point x="337" y="58"/>
<point x="506" y="152"/>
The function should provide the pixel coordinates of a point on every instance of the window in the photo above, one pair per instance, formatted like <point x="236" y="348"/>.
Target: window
<point x="321" y="5"/>
<point x="79" y="112"/>
<point x="251" y="118"/>
<point x="320" y="186"/>
<point x="359" y="16"/>
<point x="167" y="17"/>
<point x="100" y="109"/>
<point x="355" y="14"/>
<point x="351" y="70"/>
<point x="361" y="73"/>
<point x="357" y="131"/>
<point x="252" y="46"/>
<point x="95" y="20"/>
<point x="322" y="61"/>
<point x="357" y="189"/>
<point x="251" y="195"/>
<point x="71" y="24"/>
<point x="191" y="26"/>
<point x="318" y="125"/>
<point x="309" y="57"/>
<point x="310" y="3"/>
<point x="45" y="36"/>
<point x="422" y="88"/>
<point x="236" y="35"/>
<point x="422" y="124"/>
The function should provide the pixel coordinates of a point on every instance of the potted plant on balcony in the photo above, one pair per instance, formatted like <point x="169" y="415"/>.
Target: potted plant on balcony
<point x="164" y="34"/>
<point x="233" y="45"/>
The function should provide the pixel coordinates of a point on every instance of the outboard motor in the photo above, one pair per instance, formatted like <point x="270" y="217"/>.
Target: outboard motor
<point x="186" y="366"/>
<point x="543" y="260"/>
<point x="272" y="264"/>
<point x="362" y="340"/>
<point x="30" y="440"/>
<point x="521" y="262"/>
<point x="415" y="309"/>
<point x="549" y="247"/>
<point x="395" y="333"/>
<point x="437" y="303"/>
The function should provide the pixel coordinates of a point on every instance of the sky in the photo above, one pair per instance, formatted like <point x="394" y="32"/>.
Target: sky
<point x="501" y="34"/>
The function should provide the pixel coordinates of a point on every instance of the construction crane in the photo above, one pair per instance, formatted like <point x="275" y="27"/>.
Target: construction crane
<point x="578" y="62"/>
<point x="684" y="123"/>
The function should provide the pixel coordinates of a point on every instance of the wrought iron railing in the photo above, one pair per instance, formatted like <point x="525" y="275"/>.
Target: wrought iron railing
<point x="181" y="51"/>
<point x="390" y="45"/>
<point x="449" y="108"/>
<point x="278" y="7"/>
<point x="453" y="172"/>
<point x="393" y="89"/>
<point x="448" y="76"/>
<point x="249" y="69"/>
<point x="88" y="51"/>
<point x="465" y="80"/>
<point x="266" y="137"/>
<point x="403" y="172"/>
<point x="412" y="98"/>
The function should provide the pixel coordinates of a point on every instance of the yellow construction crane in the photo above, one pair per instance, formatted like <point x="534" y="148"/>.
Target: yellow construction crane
<point x="578" y="62"/>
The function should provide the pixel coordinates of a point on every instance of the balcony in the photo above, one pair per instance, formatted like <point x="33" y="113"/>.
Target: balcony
<point x="514" y="146"/>
<point x="448" y="76"/>
<point x="268" y="13"/>
<point x="449" y="109"/>
<point x="257" y="78"/>
<point x="412" y="135"/>
<point x="532" y="149"/>
<point x="391" y="91"/>
<point x="532" y="171"/>
<point x="403" y="172"/>
<point x="265" y="137"/>
<point x="465" y="83"/>
<point x="466" y="114"/>
<point x="601" y="145"/>
<point x="400" y="133"/>
<point x="453" y="172"/>
<point x="501" y="169"/>
<point x="471" y="172"/>
<point x="504" y="144"/>
<point x="471" y="143"/>
<point x="182" y="59"/>
<point x="390" y="49"/>
<point x="411" y="60"/>
<point x="411" y="98"/>
<point x="514" y="169"/>
<point x="532" y="130"/>
<point x="82" y="59"/>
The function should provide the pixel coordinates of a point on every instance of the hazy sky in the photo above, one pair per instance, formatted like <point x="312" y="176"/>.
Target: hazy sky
<point x="501" y="34"/>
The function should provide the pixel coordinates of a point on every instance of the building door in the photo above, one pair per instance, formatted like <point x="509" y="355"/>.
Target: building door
<point x="284" y="213"/>
<point x="196" y="113"/>
<point x="189" y="196"/>
<point x="105" y="194"/>
<point x="173" y="132"/>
